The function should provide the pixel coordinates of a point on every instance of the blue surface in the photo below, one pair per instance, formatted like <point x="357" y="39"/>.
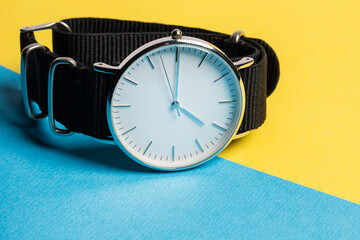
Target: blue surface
<point x="74" y="188"/>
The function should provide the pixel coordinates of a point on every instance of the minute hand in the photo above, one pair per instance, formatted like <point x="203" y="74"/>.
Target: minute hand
<point x="191" y="116"/>
<point x="167" y="78"/>
<point x="177" y="60"/>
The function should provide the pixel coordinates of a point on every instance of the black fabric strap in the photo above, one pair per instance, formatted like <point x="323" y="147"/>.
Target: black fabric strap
<point x="80" y="93"/>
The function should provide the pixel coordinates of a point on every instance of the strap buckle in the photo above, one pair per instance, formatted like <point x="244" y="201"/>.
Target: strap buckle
<point x="58" y="61"/>
<point x="26" y="52"/>
<point x="58" y="26"/>
<point x="24" y="80"/>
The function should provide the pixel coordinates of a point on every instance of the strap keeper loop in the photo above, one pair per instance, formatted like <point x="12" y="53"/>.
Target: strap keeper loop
<point x="54" y="64"/>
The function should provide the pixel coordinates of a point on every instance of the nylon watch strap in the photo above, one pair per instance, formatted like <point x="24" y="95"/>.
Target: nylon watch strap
<point x="80" y="93"/>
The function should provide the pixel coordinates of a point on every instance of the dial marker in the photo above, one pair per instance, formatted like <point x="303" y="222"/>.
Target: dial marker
<point x="173" y="153"/>
<point x="220" y="77"/>
<point x="219" y="127"/>
<point x="202" y="59"/>
<point x="177" y="55"/>
<point x="199" y="145"/>
<point x="122" y="106"/>
<point x="151" y="64"/>
<point x="131" y="81"/>
<point x="128" y="130"/>
<point x="227" y="101"/>
<point x="147" y="148"/>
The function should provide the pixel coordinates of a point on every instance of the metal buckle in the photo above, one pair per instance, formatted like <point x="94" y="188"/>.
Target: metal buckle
<point x="60" y="26"/>
<point x="24" y="86"/>
<point x="58" y="61"/>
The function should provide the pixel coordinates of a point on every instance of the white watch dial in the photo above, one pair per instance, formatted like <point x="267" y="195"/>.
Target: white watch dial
<point x="176" y="106"/>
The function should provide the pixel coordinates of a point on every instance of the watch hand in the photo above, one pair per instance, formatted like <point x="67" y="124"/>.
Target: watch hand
<point x="191" y="116"/>
<point x="177" y="60"/>
<point x="167" y="78"/>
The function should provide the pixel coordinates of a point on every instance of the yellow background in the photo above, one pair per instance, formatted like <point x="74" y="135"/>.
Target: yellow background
<point x="311" y="135"/>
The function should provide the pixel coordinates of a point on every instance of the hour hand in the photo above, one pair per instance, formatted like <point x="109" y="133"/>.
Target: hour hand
<point x="191" y="116"/>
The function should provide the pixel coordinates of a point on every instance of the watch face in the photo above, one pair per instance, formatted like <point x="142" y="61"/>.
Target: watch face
<point x="176" y="105"/>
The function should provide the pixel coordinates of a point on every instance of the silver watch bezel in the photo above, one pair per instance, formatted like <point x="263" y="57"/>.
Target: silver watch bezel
<point x="119" y="70"/>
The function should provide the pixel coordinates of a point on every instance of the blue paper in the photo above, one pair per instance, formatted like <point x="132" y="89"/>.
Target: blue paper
<point x="74" y="188"/>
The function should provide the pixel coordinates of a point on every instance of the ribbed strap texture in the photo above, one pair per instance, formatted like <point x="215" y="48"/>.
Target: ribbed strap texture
<point x="80" y="93"/>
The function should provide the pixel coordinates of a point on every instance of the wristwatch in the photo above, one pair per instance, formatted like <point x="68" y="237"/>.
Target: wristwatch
<point x="170" y="97"/>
